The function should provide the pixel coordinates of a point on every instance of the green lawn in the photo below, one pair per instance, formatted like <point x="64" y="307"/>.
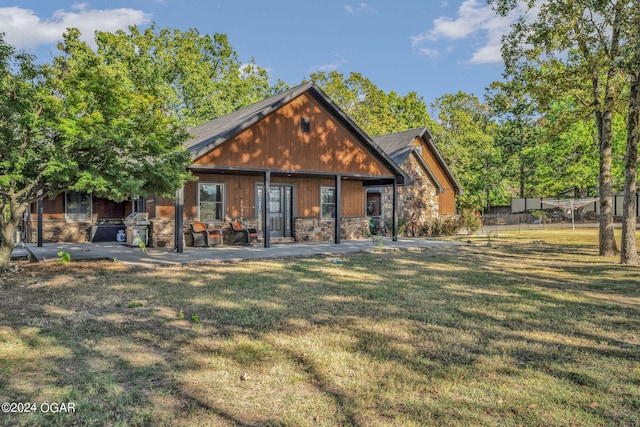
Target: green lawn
<point x="528" y="328"/>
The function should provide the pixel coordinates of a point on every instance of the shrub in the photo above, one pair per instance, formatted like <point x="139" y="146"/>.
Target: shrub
<point x="444" y="226"/>
<point x="470" y="221"/>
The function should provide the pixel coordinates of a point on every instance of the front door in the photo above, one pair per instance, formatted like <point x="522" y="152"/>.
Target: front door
<point x="280" y="209"/>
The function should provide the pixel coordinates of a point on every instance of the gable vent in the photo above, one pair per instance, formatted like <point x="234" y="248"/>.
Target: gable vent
<point x="305" y="125"/>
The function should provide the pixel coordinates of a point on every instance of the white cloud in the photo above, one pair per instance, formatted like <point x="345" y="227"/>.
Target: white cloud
<point x="23" y="28"/>
<point x="474" y="20"/>
<point x="360" y="7"/>
<point x="472" y="15"/>
<point x="327" y="67"/>
<point x="429" y="53"/>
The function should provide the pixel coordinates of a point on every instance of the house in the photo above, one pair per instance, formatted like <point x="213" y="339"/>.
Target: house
<point x="292" y="166"/>
<point x="433" y="187"/>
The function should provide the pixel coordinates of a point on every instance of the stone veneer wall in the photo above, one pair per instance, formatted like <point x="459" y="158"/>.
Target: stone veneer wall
<point x="161" y="231"/>
<point x="420" y="198"/>
<point x="310" y="229"/>
<point x="64" y="230"/>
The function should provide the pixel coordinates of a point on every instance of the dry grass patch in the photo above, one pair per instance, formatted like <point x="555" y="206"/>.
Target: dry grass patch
<point x="512" y="333"/>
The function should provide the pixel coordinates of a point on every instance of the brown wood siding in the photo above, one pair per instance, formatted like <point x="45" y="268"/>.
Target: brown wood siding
<point x="447" y="203"/>
<point x="52" y="208"/>
<point x="151" y="206"/>
<point x="446" y="200"/>
<point x="277" y="143"/>
<point x="240" y="196"/>
<point x="101" y="208"/>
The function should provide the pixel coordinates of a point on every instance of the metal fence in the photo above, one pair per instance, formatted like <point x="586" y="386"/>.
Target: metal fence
<point x="531" y="203"/>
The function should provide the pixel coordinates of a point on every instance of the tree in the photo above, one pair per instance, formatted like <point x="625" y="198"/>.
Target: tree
<point x="564" y="157"/>
<point x="583" y="37"/>
<point x="202" y="74"/>
<point x="465" y="136"/>
<point x="628" y="249"/>
<point x="87" y="122"/>
<point x="631" y="64"/>
<point x="517" y="113"/>
<point x="375" y="111"/>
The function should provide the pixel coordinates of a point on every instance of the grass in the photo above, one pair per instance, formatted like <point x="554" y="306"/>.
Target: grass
<point x="534" y="329"/>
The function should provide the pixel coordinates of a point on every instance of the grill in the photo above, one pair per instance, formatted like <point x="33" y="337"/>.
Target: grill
<point x="137" y="231"/>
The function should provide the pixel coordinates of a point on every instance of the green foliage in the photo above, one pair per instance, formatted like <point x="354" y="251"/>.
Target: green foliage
<point x="375" y="111"/>
<point x="142" y="246"/>
<point x="65" y="257"/>
<point x="444" y="226"/>
<point x="464" y="133"/>
<point x="470" y="220"/>
<point x="201" y="76"/>
<point x="515" y="111"/>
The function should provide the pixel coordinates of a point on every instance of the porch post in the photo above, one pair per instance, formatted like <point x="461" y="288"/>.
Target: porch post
<point x="338" y="210"/>
<point x="40" y="215"/>
<point x="265" y="220"/>
<point x="395" y="210"/>
<point x="179" y="220"/>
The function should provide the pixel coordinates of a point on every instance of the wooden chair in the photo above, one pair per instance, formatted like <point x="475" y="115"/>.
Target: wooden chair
<point x="205" y="236"/>
<point x="240" y="235"/>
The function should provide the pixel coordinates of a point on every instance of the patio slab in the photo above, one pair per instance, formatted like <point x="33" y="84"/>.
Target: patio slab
<point x="134" y="256"/>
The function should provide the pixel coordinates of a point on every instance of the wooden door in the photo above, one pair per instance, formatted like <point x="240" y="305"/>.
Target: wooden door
<point x="280" y="209"/>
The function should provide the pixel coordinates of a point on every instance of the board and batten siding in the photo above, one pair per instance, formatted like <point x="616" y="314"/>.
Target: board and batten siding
<point x="240" y="196"/>
<point x="446" y="200"/>
<point x="277" y="142"/>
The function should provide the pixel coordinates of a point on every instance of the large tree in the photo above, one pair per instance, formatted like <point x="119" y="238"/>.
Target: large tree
<point x="517" y="133"/>
<point x="374" y="110"/>
<point x="565" y="156"/>
<point x="465" y="134"/>
<point x="203" y="76"/>
<point x="631" y="64"/>
<point x="565" y="44"/>
<point x="87" y="123"/>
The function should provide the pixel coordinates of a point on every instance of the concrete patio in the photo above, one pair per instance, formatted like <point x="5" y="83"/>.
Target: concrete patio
<point x="134" y="256"/>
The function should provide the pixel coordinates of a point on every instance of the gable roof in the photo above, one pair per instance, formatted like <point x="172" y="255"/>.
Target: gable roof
<point x="212" y="134"/>
<point x="398" y="146"/>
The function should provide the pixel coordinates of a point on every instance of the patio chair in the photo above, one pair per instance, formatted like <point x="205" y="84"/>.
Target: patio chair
<point x="240" y="235"/>
<point x="205" y="236"/>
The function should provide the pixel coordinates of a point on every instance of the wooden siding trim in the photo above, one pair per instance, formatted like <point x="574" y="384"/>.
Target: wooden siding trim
<point x="275" y="143"/>
<point x="292" y="172"/>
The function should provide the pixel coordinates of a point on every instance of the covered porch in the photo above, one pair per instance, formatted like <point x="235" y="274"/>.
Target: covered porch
<point x="300" y="206"/>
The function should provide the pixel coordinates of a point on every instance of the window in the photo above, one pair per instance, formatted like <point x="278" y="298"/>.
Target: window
<point x="77" y="206"/>
<point x="211" y="202"/>
<point x="305" y="125"/>
<point x="327" y="202"/>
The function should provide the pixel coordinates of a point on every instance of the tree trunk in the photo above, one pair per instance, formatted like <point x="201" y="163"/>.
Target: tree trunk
<point x="628" y="250"/>
<point x="10" y="217"/>
<point x="522" y="167"/>
<point x="607" y="238"/>
<point x="7" y="242"/>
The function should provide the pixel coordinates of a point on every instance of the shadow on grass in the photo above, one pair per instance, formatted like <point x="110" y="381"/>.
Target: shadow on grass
<point x="482" y="336"/>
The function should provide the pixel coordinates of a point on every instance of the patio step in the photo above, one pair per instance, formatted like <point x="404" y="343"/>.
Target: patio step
<point x="279" y="240"/>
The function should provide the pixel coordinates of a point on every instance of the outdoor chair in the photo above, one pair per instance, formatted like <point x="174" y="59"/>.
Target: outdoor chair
<point x="240" y="235"/>
<point x="205" y="236"/>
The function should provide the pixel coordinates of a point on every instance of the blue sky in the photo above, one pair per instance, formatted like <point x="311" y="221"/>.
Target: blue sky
<point x="431" y="47"/>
